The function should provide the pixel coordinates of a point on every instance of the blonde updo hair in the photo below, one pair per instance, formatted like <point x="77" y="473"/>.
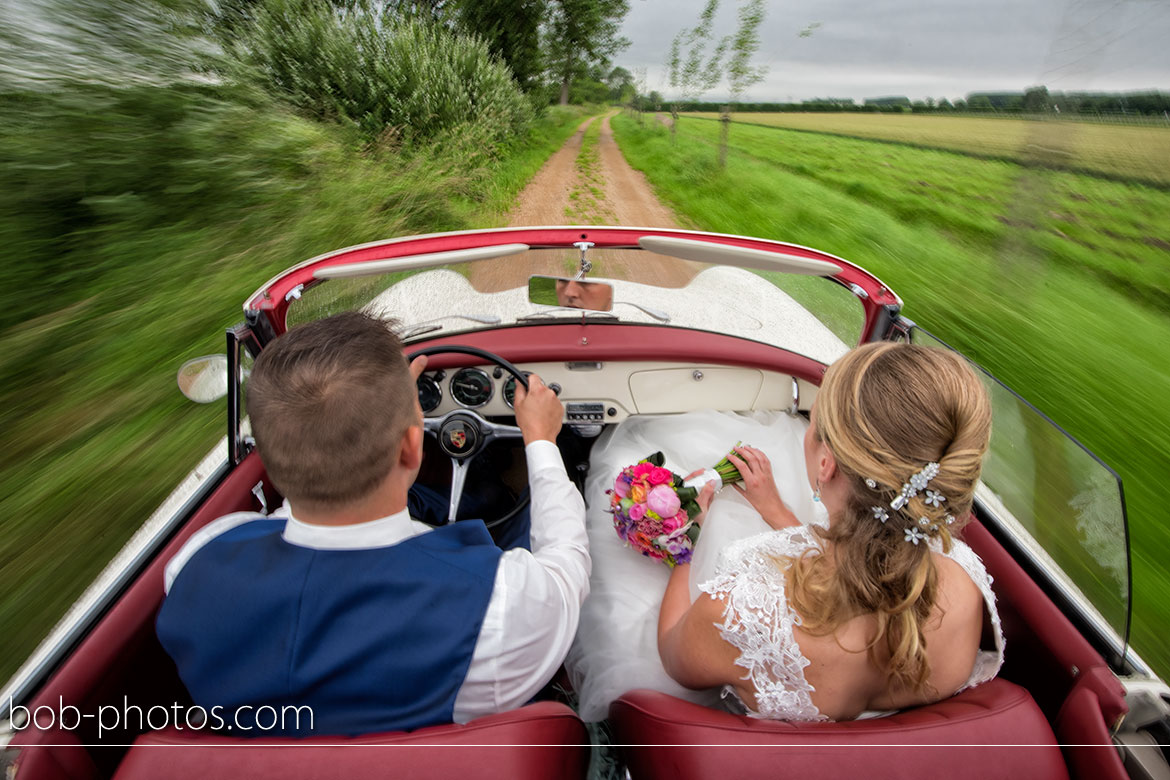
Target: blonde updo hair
<point x="885" y="410"/>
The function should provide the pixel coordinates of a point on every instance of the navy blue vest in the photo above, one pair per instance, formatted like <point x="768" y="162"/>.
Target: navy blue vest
<point x="372" y="640"/>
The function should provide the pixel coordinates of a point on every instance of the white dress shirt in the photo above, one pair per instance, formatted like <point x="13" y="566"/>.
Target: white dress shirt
<point x="536" y="598"/>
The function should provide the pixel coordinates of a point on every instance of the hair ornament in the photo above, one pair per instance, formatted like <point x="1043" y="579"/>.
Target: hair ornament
<point x="914" y="535"/>
<point x="879" y="513"/>
<point x="924" y="521"/>
<point x="871" y="483"/>
<point x="950" y="519"/>
<point x="918" y="482"/>
<point x="934" y="498"/>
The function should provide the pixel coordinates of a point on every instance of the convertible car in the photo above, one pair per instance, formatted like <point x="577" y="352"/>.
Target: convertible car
<point x="620" y="322"/>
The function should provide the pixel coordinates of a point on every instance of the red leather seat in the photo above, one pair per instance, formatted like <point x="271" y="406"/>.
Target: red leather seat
<point x="671" y="738"/>
<point x="541" y="740"/>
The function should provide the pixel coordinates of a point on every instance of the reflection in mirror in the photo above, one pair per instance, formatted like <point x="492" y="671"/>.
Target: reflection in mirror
<point x="561" y="291"/>
<point x="204" y="379"/>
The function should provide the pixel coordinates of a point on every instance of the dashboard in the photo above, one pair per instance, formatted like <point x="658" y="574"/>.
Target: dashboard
<point x="602" y="392"/>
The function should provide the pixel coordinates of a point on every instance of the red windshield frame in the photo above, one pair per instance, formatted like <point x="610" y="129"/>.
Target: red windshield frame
<point x="273" y="298"/>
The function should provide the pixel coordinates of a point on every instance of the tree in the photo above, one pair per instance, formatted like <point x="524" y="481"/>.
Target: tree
<point x="741" y="74"/>
<point x="511" y="29"/>
<point x="621" y="85"/>
<point x="1037" y="100"/>
<point x="689" y="74"/>
<point x="980" y="103"/>
<point x="581" y="33"/>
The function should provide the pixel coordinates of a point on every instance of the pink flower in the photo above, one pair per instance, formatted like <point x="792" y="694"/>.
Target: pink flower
<point x="682" y="517"/>
<point x="663" y="501"/>
<point x="621" y="486"/>
<point x="660" y="476"/>
<point x="671" y="524"/>
<point x="643" y="468"/>
<point x="637" y="512"/>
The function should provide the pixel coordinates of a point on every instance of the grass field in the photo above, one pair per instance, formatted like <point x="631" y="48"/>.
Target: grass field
<point x="981" y="250"/>
<point x="1141" y="153"/>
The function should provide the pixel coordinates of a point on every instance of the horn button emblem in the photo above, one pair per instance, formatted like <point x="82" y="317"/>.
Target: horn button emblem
<point x="459" y="437"/>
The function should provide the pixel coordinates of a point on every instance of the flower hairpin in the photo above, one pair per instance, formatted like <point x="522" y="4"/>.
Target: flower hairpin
<point x="914" y="535"/>
<point x="918" y="482"/>
<point x="879" y="513"/>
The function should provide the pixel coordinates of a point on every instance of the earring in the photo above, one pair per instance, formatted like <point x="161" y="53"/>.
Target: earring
<point x="817" y="492"/>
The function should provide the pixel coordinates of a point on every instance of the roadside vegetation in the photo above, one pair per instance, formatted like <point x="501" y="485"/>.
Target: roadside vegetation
<point x="1140" y="153"/>
<point x="155" y="168"/>
<point x="1025" y="270"/>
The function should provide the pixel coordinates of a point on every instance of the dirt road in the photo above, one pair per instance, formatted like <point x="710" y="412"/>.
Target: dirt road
<point x="588" y="184"/>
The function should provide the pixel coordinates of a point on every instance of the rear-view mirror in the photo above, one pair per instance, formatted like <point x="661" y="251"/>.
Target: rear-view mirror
<point x="573" y="293"/>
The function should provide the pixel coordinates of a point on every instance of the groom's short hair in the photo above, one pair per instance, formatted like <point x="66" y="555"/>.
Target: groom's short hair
<point x="329" y="402"/>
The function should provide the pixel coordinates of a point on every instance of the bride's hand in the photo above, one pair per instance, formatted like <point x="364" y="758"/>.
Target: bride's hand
<point x="759" y="487"/>
<point x="704" y="498"/>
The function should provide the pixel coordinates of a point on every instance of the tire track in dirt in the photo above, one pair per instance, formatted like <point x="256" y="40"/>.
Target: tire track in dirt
<point x="553" y="197"/>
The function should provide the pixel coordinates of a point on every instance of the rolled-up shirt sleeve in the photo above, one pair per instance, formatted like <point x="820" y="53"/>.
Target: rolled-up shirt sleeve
<point x="536" y="599"/>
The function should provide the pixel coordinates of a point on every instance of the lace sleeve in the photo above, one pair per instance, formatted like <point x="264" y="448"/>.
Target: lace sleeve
<point x="987" y="663"/>
<point x="758" y="621"/>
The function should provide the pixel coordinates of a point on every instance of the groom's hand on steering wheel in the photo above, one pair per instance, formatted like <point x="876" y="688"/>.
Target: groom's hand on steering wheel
<point x="538" y="411"/>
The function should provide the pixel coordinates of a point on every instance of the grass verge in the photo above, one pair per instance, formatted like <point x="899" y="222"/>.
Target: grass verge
<point x="97" y="434"/>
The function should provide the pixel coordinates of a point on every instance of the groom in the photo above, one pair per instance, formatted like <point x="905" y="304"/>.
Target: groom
<point x="343" y="603"/>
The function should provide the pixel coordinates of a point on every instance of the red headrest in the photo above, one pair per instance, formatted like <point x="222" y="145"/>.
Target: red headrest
<point x="675" y="740"/>
<point x="541" y="740"/>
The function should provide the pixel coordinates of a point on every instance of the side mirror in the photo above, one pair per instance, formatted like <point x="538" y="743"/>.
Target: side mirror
<point x="204" y="379"/>
<point x="573" y="293"/>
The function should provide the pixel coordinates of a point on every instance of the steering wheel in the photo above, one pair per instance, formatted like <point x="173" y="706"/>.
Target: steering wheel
<point x="463" y="433"/>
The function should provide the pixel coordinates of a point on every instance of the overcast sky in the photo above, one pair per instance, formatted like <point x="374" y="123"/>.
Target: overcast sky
<point x="925" y="48"/>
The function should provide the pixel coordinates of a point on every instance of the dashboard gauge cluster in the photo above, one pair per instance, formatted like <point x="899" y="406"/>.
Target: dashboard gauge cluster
<point x="470" y="388"/>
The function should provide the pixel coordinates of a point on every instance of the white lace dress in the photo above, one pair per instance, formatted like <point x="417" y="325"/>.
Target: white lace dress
<point x="759" y="622"/>
<point x="616" y="647"/>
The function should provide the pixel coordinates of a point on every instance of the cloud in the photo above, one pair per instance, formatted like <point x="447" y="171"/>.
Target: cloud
<point x="923" y="48"/>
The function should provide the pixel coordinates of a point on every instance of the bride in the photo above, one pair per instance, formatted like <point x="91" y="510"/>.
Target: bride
<point x="841" y="573"/>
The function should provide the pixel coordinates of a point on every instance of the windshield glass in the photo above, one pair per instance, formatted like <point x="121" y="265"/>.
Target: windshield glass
<point x="811" y="316"/>
<point x="1059" y="498"/>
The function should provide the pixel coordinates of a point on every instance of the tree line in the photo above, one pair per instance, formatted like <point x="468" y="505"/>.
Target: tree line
<point x="1032" y="101"/>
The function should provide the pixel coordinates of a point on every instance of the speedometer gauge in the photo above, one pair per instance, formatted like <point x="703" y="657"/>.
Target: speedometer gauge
<point x="429" y="393"/>
<point x="471" y="387"/>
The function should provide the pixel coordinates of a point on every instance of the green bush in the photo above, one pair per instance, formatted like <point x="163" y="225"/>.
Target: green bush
<point x="410" y="77"/>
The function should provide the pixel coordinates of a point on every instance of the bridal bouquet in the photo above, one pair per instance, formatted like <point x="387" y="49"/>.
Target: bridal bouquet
<point x="654" y="509"/>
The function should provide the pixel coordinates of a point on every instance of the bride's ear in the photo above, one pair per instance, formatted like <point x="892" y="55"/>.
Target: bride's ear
<point x="826" y="464"/>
